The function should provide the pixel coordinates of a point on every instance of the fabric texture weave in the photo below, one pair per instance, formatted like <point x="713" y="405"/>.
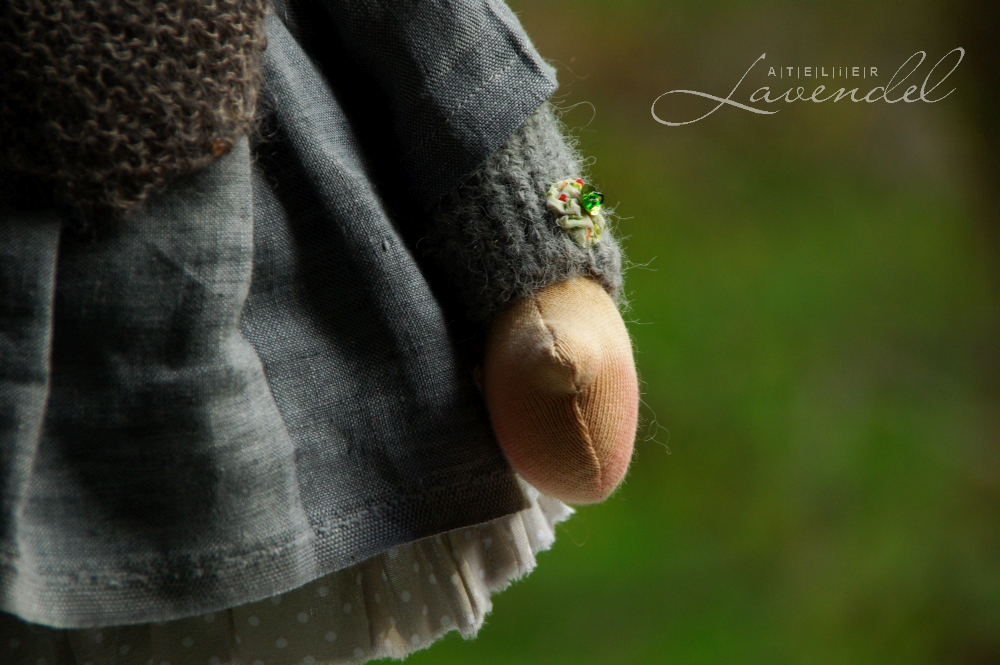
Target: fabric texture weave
<point x="389" y="606"/>
<point x="248" y="382"/>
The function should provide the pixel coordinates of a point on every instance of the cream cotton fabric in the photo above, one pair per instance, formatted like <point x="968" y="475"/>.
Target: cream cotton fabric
<point x="388" y="606"/>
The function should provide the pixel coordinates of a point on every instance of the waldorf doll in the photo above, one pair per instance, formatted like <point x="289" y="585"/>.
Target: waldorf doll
<point x="307" y="327"/>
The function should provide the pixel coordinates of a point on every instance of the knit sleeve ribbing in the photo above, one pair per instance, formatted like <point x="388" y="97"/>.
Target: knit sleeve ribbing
<point x="493" y="238"/>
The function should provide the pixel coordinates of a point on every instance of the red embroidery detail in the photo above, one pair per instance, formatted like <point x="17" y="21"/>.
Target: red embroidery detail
<point x="579" y="181"/>
<point x="562" y="197"/>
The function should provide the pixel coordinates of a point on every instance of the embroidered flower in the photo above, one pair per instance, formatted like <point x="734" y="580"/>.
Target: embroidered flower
<point x="577" y="209"/>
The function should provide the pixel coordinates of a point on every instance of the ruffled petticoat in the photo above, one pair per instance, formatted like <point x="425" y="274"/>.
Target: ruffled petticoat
<point x="388" y="606"/>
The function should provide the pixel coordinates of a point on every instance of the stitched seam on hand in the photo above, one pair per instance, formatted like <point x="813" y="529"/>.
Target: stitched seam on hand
<point x="552" y="343"/>
<point x="577" y="395"/>
<point x="586" y="437"/>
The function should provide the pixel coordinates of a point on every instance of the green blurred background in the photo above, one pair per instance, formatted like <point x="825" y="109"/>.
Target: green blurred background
<point x="814" y="302"/>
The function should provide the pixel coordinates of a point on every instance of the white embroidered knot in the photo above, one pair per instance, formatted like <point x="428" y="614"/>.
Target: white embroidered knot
<point x="577" y="209"/>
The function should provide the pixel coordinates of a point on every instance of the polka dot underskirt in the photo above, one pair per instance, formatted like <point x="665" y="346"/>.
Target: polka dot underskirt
<point x="388" y="606"/>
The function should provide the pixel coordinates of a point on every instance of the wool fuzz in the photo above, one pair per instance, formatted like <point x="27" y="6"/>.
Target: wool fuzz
<point x="493" y="236"/>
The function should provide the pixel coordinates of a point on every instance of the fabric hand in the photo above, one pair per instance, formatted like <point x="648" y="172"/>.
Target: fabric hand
<point x="561" y="389"/>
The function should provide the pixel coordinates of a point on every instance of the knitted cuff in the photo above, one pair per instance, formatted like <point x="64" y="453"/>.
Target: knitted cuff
<point x="493" y="238"/>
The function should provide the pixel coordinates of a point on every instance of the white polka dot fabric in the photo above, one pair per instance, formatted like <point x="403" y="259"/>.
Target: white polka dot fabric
<point x="388" y="606"/>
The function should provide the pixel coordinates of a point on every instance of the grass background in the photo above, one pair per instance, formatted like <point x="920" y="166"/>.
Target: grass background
<point x="815" y="309"/>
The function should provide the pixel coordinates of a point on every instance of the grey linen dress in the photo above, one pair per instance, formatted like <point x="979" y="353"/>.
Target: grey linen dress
<point x="254" y="387"/>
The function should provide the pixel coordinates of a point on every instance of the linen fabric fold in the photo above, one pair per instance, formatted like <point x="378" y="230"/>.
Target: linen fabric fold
<point x="248" y="383"/>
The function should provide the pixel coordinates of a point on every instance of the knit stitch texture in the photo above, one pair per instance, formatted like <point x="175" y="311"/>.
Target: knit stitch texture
<point x="108" y="100"/>
<point x="493" y="236"/>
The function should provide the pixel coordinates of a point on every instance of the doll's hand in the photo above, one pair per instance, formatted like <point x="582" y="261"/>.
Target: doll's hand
<point x="561" y="389"/>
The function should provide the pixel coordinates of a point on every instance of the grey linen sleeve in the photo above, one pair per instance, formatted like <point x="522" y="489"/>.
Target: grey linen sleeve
<point x="492" y="237"/>
<point x="457" y="76"/>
